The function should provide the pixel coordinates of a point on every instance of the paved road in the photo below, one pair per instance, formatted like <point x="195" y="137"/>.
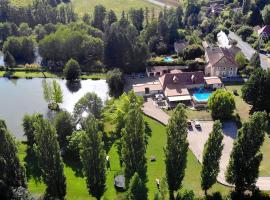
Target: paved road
<point x="161" y="4"/>
<point x="249" y="51"/>
<point x="197" y="139"/>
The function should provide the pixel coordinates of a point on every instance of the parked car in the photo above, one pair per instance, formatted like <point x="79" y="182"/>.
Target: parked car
<point x="197" y="124"/>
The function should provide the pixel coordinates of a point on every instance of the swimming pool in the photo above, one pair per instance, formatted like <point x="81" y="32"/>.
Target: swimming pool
<point x="168" y="59"/>
<point x="201" y="95"/>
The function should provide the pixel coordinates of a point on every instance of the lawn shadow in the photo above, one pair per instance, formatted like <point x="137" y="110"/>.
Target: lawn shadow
<point x="31" y="165"/>
<point x="74" y="163"/>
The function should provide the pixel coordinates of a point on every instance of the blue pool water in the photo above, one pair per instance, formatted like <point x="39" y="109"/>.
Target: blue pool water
<point x="168" y="59"/>
<point x="201" y="95"/>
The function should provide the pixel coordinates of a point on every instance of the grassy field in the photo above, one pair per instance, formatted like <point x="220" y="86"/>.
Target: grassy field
<point x="87" y="6"/>
<point x="265" y="165"/>
<point x="76" y="186"/>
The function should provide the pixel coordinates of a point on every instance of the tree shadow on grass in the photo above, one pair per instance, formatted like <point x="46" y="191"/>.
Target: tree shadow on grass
<point x="74" y="163"/>
<point x="31" y="165"/>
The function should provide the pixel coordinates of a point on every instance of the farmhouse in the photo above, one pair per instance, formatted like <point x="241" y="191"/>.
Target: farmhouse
<point x="220" y="62"/>
<point x="178" y="86"/>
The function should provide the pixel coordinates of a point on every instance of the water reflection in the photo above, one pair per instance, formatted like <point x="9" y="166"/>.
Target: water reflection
<point x="73" y="86"/>
<point x="18" y="97"/>
<point x="2" y="63"/>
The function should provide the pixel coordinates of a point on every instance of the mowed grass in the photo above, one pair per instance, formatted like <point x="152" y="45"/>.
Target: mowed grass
<point x="21" y="3"/>
<point x="265" y="165"/>
<point x="76" y="186"/>
<point x="87" y="6"/>
<point x="242" y="108"/>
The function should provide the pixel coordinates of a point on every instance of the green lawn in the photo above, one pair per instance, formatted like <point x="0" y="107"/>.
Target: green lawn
<point x="87" y="6"/>
<point x="265" y="165"/>
<point x="76" y="186"/>
<point x="242" y="108"/>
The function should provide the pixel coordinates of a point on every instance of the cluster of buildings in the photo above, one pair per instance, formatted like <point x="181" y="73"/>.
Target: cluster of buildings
<point x="176" y="84"/>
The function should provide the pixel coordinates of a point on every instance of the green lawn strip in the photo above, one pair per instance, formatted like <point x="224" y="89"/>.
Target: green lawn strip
<point x="21" y="3"/>
<point x="242" y="108"/>
<point x="94" y="76"/>
<point x="265" y="165"/>
<point x="2" y="73"/>
<point x="34" y="74"/>
<point x="85" y="6"/>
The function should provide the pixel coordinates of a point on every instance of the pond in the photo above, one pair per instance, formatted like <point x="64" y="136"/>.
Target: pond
<point x="1" y="59"/>
<point x="21" y="96"/>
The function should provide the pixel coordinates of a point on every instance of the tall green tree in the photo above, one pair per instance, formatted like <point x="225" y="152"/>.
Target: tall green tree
<point x="64" y="125"/>
<point x="221" y="104"/>
<point x="72" y="70"/>
<point x="115" y="82"/>
<point x="99" y="17"/>
<point x="134" y="144"/>
<point x="49" y="158"/>
<point x="137" y="18"/>
<point x="266" y="14"/>
<point x="243" y="168"/>
<point x="256" y="90"/>
<point x="211" y="156"/>
<point x="176" y="149"/>
<point x="137" y="189"/>
<point x="89" y="103"/>
<point x="12" y="173"/>
<point x="255" y="60"/>
<point x="93" y="159"/>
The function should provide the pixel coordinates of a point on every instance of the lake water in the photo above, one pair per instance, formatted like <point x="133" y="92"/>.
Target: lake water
<point x="18" y="97"/>
<point x="1" y="59"/>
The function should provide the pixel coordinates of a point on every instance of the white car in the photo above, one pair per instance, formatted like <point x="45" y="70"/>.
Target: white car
<point x="197" y="124"/>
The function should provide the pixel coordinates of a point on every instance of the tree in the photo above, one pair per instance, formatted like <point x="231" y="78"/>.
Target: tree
<point x="266" y="14"/>
<point x="241" y="60"/>
<point x="133" y="144"/>
<point x="255" y="60"/>
<point x="256" y="90"/>
<point x="176" y="149"/>
<point x="245" y="32"/>
<point x="193" y="51"/>
<point x="137" y="18"/>
<point x="255" y="16"/>
<point x="99" y="16"/>
<point x="50" y="161"/>
<point x="243" y="168"/>
<point x="89" y="103"/>
<point x="52" y="93"/>
<point x="9" y="60"/>
<point x="222" y="104"/>
<point x="137" y="189"/>
<point x="93" y="159"/>
<point x="115" y="82"/>
<point x="211" y="156"/>
<point x="12" y="173"/>
<point x="72" y="70"/>
<point x="245" y="6"/>
<point x="64" y="125"/>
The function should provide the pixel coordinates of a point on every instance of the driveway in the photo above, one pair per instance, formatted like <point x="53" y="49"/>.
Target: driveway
<point x="248" y="50"/>
<point x="198" y="137"/>
<point x="161" y="3"/>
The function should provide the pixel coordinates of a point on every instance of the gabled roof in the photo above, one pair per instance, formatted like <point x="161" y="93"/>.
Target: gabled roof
<point x="265" y="29"/>
<point x="179" y="79"/>
<point x="220" y="57"/>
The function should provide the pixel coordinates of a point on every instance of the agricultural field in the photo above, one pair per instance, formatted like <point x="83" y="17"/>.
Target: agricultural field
<point x="87" y="6"/>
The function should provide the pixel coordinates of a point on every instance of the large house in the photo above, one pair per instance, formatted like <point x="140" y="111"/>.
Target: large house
<point x="220" y="62"/>
<point x="177" y="86"/>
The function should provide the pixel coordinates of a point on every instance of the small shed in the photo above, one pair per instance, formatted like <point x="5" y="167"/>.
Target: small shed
<point x="119" y="182"/>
